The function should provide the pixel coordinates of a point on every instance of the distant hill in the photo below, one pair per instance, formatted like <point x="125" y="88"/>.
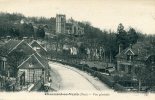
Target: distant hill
<point x="19" y="26"/>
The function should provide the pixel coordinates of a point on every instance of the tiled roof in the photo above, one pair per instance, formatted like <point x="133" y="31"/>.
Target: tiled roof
<point x="34" y="43"/>
<point x="30" y="55"/>
<point x="36" y="61"/>
<point x="141" y="50"/>
<point x="8" y="47"/>
<point x="26" y="49"/>
<point x="32" y="63"/>
<point x="17" y="45"/>
<point x="43" y="60"/>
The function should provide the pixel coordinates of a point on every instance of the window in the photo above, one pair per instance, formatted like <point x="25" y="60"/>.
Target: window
<point x="30" y="65"/>
<point x="38" y="73"/>
<point x="3" y="65"/>
<point x="31" y="75"/>
<point x="153" y="68"/>
<point x="34" y="75"/>
<point x="129" y="57"/>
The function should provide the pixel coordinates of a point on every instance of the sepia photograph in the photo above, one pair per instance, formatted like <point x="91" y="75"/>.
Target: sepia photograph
<point x="76" y="48"/>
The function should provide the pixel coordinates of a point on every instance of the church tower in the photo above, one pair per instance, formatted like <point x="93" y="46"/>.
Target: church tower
<point x="60" y="24"/>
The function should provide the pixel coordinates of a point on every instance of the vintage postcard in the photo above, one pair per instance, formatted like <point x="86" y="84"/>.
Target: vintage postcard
<point x="77" y="49"/>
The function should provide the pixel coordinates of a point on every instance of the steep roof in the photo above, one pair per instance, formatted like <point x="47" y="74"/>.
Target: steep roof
<point x="30" y="56"/>
<point x="25" y="48"/>
<point x="141" y="51"/>
<point x="16" y="45"/>
<point x="43" y="60"/>
<point x="9" y="46"/>
<point x="32" y="62"/>
<point x="2" y="42"/>
<point x="34" y="42"/>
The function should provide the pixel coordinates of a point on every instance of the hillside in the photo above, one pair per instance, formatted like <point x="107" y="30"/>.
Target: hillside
<point x="17" y="25"/>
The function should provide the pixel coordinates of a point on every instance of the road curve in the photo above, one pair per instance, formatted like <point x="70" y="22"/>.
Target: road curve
<point x="74" y="80"/>
<point x="71" y="80"/>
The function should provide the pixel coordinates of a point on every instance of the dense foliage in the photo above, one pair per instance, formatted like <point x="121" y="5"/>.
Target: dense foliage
<point x="10" y="25"/>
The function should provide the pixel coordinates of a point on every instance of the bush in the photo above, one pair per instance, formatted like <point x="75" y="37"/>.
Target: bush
<point x="94" y="68"/>
<point x="119" y="87"/>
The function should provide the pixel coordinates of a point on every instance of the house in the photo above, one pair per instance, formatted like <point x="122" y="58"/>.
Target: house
<point x="94" y="53"/>
<point x="2" y="42"/>
<point x="19" y="60"/>
<point x="70" y="49"/>
<point x="73" y="50"/>
<point x="39" y="48"/>
<point x="34" y="68"/>
<point x="135" y="56"/>
<point x="23" y="21"/>
<point x="5" y="50"/>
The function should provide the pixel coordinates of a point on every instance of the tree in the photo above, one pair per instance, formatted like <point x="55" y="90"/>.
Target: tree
<point x="14" y="59"/>
<point x="60" y="40"/>
<point x="40" y="32"/>
<point x="14" y="32"/>
<point x="122" y="36"/>
<point x="22" y="30"/>
<point x="120" y="28"/>
<point x="142" y="74"/>
<point x="132" y="35"/>
<point x="82" y="51"/>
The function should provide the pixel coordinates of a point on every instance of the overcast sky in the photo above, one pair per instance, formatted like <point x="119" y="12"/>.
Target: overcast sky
<point x="105" y="14"/>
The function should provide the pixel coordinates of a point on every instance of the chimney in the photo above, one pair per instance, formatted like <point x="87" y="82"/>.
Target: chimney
<point x="130" y="46"/>
<point x="120" y="48"/>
